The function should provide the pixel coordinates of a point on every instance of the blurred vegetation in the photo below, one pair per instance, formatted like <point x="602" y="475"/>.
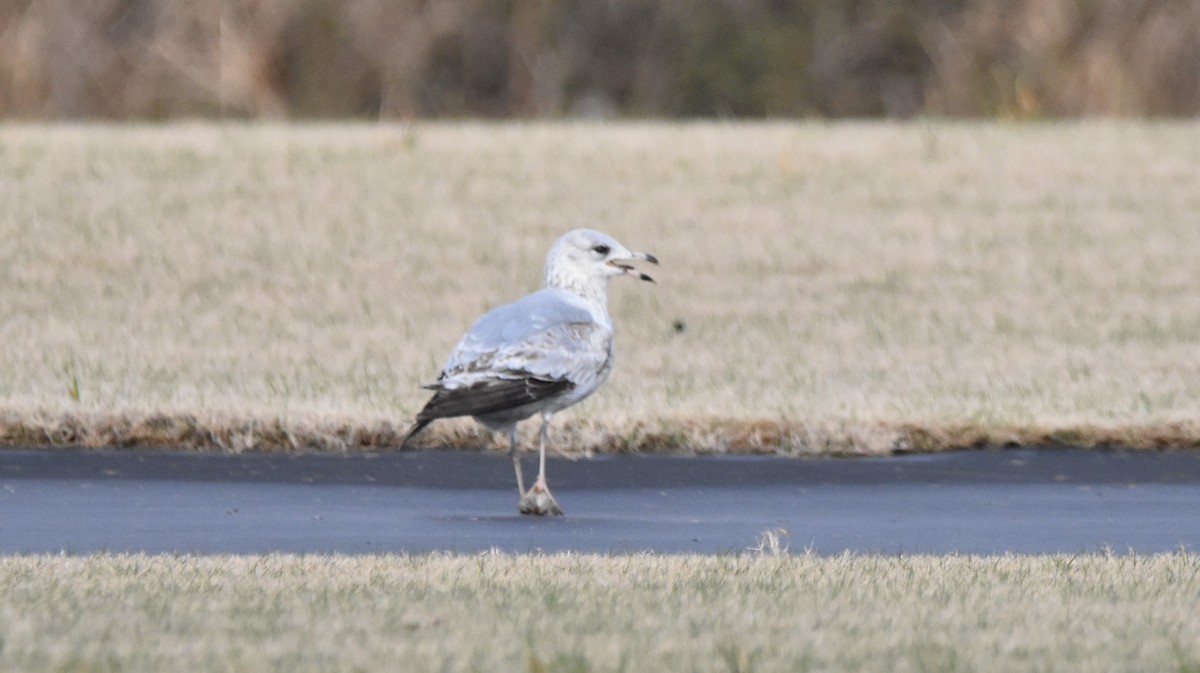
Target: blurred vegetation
<point x="155" y="59"/>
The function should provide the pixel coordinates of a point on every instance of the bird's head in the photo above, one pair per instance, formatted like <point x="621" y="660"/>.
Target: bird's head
<point x="585" y="258"/>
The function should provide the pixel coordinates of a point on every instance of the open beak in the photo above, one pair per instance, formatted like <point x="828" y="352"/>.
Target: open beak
<point x="630" y="271"/>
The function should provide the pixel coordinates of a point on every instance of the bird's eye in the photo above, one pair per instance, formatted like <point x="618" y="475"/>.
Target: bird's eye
<point x="602" y="249"/>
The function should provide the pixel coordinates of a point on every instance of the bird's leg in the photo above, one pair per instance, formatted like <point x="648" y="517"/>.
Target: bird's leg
<point x="542" y="452"/>
<point x="538" y="500"/>
<point x="516" y="459"/>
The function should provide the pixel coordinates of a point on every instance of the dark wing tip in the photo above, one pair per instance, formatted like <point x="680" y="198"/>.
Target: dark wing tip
<point x="490" y="396"/>
<point x="412" y="432"/>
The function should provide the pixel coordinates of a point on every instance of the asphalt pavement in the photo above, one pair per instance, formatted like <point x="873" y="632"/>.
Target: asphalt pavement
<point x="1041" y="500"/>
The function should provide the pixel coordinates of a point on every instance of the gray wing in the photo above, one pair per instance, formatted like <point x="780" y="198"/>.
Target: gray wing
<point x="540" y="346"/>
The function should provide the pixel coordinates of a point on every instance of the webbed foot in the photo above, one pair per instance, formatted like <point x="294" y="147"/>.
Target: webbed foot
<point x="539" y="501"/>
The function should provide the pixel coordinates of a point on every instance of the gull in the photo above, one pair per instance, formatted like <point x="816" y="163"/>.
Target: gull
<point x="538" y="355"/>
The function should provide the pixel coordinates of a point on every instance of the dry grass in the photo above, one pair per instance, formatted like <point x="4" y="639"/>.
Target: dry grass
<point x="848" y="287"/>
<point x="594" y="613"/>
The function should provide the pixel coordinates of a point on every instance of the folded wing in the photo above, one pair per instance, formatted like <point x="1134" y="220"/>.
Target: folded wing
<point x="539" y="347"/>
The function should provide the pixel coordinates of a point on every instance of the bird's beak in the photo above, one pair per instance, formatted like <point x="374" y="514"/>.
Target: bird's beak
<point x="630" y="271"/>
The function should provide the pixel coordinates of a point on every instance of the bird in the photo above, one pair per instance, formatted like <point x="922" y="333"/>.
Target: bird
<point x="539" y="354"/>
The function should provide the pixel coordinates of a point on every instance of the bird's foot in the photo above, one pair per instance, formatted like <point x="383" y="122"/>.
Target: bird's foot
<point x="539" y="501"/>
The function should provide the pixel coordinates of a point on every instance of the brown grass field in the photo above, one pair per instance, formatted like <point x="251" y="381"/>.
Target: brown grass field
<point x="572" y="613"/>
<point x="842" y="287"/>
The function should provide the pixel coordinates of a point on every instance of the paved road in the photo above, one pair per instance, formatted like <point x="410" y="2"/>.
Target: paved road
<point x="1021" y="501"/>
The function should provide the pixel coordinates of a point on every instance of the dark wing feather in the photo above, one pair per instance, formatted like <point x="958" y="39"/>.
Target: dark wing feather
<point x="485" y="397"/>
<point x="490" y="396"/>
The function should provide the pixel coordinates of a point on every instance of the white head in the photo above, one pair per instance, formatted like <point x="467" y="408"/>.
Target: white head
<point x="582" y="261"/>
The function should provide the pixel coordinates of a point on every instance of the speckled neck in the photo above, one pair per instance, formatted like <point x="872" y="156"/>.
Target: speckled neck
<point x="591" y="289"/>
